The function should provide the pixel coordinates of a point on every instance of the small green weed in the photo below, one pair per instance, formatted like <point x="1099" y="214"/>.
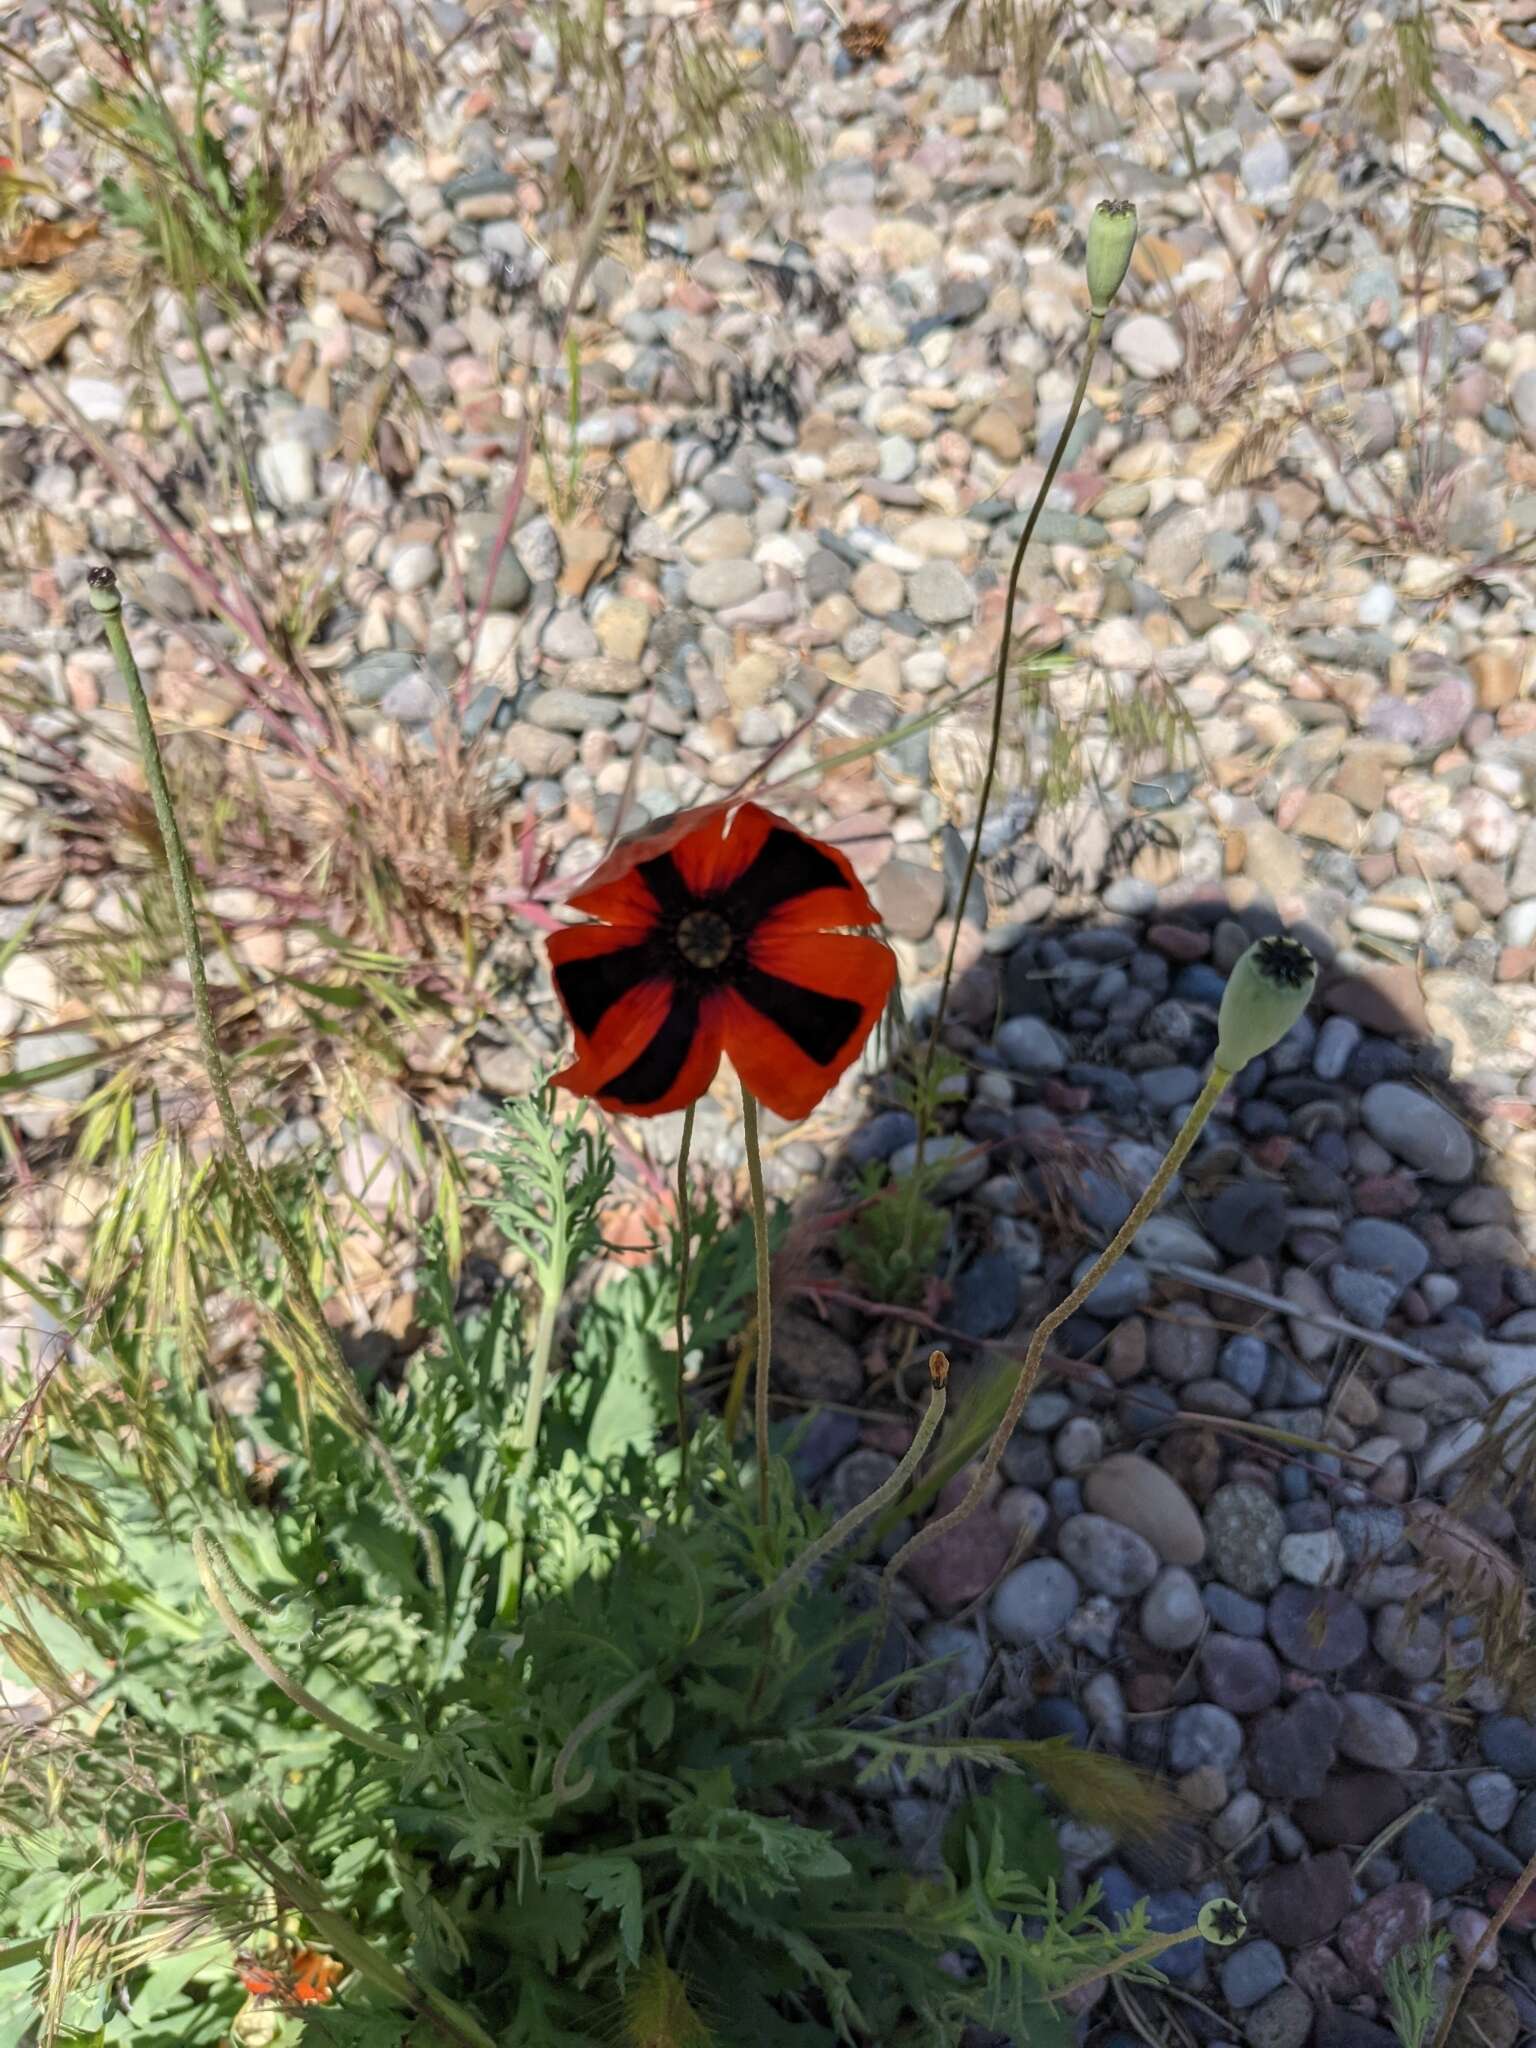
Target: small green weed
<point x="895" y="1234"/>
<point x="1413" y="2003"/>
<point x="201" y="220"/>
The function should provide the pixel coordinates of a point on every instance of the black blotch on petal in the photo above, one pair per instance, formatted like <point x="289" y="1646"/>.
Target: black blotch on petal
<point x="819" y="1025"/>
<point x="785" y="866"/>
<point x="648" y="1078"/>
<point x="591" y="987"/>
<point x="672" y="893"/>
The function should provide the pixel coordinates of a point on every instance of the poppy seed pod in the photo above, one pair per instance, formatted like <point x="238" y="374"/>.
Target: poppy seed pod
<point x="1267" y="992"/>
<point x="1111" y="238"/>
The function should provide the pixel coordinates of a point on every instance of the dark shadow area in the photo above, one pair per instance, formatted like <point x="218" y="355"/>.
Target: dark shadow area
<point x="1245" y="1534"/>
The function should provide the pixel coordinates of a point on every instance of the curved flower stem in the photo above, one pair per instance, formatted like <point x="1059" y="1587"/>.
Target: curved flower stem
<point x="890" y="1490"/>
<point x="764" y="1298"/>
<point x="994" y="748"/>
<point x="1490" y="1935"/>
<point x="684" y="1247"/>
<point x="212" y="1568"/>
<point x="1177" y="1152"/>
<point x="525" y="1439"/>
<point x="107" y="601"/>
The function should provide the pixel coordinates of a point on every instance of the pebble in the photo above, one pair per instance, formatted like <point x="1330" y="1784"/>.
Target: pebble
<point x="1302" y="1903"/>
<point x="1508" y="1743"/>
<point x="939" y="594"/>
<point x="1377" y="1931"/>
<point x="1435" y="1857"/>
<point x="1375" y="1732"/>
<point x="716" y="586"/>
<point x="1140" y="1495"/>
<point x="1282" y="2020"/>
<point x="1107" y="1557"/>
<point x="1243" y="1533"/>
<point x="1239" y="1673"/>
<point x="1030" y="1046"/>
<point x="1418" y="1130"/>
<point x="1250" y="1973"/>
<point x="1204" y="1735"/>
<point x="1148" y="345"/>
<point x="1172" y="1613"/>
<point x="1034" y="1602"/>
<point x="1292" y="1749"/>
<point x="1317" y="1629"/>
<point x="1492" y="1796"/>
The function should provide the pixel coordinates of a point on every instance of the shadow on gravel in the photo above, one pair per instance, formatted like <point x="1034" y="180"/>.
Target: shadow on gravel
<point x="1221" y="1542"/>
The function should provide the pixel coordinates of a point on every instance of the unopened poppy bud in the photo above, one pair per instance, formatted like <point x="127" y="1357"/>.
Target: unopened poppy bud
<point x="1111" y="238"/>
<point x="1222" y="1921"/>
<point x="1267" y="992"/>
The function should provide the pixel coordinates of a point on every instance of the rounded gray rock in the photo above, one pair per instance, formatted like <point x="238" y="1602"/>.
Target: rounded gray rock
<point x="1172" y="1612"/>
<point x="1034" y="1602"/>
<point x="1418" y="1130"/>
<point x="1243" y="1528"/>
<point x="1107" y="1557"/>
<point x="1202" y="1735"/>
<point x="939" y="594"/>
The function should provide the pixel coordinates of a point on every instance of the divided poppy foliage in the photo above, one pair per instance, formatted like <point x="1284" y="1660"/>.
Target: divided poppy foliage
<point x="721" y="930"/>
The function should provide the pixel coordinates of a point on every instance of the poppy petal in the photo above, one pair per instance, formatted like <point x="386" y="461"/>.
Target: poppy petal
<point x="677" y="1065"/>
<point x="810" y="886"/>
<point x="623" y="899"/>
<point x="801" y="1011"/>
<point x="619" y="1040"/>
<point x="647" y="844"/>
<point x="720" y="848"/>
<point x="596" y="966"/>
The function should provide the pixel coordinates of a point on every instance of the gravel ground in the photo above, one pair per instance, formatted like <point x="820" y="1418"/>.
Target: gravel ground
<point x="1286" y="575"/>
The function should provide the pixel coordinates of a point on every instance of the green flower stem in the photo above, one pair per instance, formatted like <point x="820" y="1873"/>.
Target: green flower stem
<point x="106" y="599"/>
<point x="883" y="1496"/>
<point x="526" y="1440"/>
<point x="213" y="1566"/>
<point x="1177" y="1152"/>
<point x="764" y="1299"/>
<point x="1133" y="1958"/>
<point x="233" y="441"/>
<point x="994" y="748"/>
<point x="1488" y="1941"/>
<point x="684" y="1246"/>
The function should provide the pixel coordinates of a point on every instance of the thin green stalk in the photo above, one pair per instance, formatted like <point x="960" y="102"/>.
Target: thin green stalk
<point x="232" y="440"/>
<point x="888" y="1491"/>
<point x="1486" y="1941"/>
<point x="212" y="1566"/>
<point x="684" y="1248"/>
<point x="106" y="599"/>
<point x="526" y="1439"/>
<point x="1177" y="1152"/>
<point x="764" y="1299"/>
<point x="989" y="774"/>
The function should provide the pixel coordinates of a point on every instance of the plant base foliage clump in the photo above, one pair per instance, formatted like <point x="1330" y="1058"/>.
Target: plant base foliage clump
<point x="593" y="1798"/>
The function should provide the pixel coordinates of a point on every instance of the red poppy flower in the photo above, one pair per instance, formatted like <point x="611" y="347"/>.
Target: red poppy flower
<point x="721" y="931"/>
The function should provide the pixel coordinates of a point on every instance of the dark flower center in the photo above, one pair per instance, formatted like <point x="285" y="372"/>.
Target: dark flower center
<point x="1286" y="962"/>
<point x="704" y="938"/>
